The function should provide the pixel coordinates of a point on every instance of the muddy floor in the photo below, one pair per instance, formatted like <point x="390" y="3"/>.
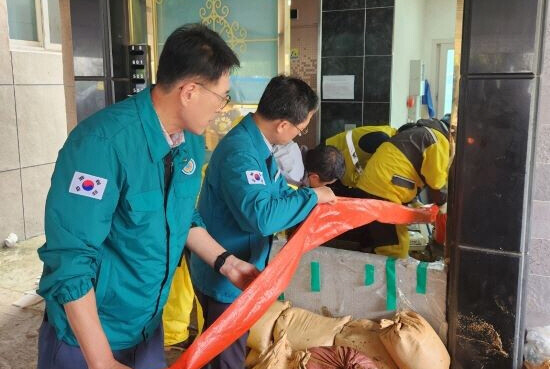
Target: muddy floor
<point x="19" y="270"/>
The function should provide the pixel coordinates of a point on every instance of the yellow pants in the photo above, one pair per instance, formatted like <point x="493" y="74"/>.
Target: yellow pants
<point x="397" y="251"/>
<point x="177" y="312"/>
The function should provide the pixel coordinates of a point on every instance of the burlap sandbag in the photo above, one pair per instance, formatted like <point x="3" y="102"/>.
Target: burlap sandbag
<point x="252" y="358"/>
<point x="261" y="333"/>
<point x="338" y="357"/>
<point x="545" y="365"/>
<point x="280" y="356"/>
<point x="364" y="336"/>
<point x="305" y="329"/>
<point x="299" y="360"/>
<point x="412" y="343"/>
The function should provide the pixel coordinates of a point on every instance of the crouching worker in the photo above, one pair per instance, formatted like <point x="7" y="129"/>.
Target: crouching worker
<point x="417" y="157"/>
<point x="357" y="146"/>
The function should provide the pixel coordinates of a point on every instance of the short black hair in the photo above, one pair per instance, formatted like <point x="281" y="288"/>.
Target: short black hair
<point x="287" y="98"/>
<point x="194" y="50"/>
<point x="326" y="161"/>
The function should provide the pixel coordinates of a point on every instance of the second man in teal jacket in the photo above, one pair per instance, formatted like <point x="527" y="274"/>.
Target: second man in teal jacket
<point x="245" y="198"/>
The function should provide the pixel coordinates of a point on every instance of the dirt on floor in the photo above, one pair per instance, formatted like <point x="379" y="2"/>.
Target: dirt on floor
<point x="482" y="334"/>
<point x="20" y="269"/>
<point x="19" y="272"/>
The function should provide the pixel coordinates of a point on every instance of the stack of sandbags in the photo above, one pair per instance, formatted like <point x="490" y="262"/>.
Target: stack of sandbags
<point x="338" y="357"/>
<point x="406" y="342"/>
<point x="302" y="330"/>
<point x="412" y="343"/>
<point x="305" y="329"/>
<point x="364" y="336"/>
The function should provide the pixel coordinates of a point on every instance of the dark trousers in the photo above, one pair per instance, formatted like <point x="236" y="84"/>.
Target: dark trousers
<point x="371" y="235"/>
<point x="232" y="357"/>
<point x="56" y="354"/>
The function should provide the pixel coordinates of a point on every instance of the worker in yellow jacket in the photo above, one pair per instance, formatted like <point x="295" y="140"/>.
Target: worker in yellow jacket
<point x="176" y="316"/>
<point x="416" y="157"/>
<point x="357" y="146"/>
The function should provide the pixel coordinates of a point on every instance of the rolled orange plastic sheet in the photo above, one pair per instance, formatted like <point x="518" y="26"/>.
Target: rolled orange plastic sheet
<point x="440" y="233"/>
<point x="324" y="223"/>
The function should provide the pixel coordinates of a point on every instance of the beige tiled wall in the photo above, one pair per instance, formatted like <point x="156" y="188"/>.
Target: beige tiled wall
<point x="9" y="148"/>
<point x="11" y="216"/>
<point x="538" y="282"/>
<point x="37" y="68"/>
<point x="35" y="182"/>
<point x="6" y="76"/>
<point x="41" y="121"/>
<point x="33" y="127"/>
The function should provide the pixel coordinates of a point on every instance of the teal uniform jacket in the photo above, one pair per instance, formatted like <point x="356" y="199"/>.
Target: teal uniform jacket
<point x="244" y="200"/>
<point x="108" y="224"/>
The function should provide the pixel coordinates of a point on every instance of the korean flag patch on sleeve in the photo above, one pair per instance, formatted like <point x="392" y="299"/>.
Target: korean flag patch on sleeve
<point x="255" y="177"/>
<point x="87" y="185"/>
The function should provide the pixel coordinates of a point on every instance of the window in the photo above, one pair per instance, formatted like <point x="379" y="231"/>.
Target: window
<point x="34" y="23"/>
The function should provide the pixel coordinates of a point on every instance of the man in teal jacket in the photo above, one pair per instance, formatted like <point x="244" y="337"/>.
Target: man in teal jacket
<point x="121" y="207"/>
<point x="245" y="198"/>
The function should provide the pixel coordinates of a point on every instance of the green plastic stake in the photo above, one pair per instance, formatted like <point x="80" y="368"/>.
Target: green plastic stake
<point x="315" y="276"/>
<point x="281" y="297"/>
<point x="391" y="290"/>
<point x="369" y="274"/>
<point x="421" y="277"/>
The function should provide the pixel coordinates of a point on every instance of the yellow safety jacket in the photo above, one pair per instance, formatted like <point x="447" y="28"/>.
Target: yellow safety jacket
<point x="359" y="144"/>
<point x="410" y="160"/>
<point x="176" y="316"/>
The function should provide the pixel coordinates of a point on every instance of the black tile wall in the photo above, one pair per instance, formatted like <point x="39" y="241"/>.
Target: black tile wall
<point x="494" y="132"/>
<point x="487" y="300"/>
<point x="347" y="66"/>
<point x="357" y="40"/>
<point x="343" y="4"/>
<point x="343" y="33"/>
<point x="378" y="31"/>
<point x="488" y="224"/>
<point x="377" y="78"/>
<point x="337" y="115"/>
<point x="376" y="114"/>
<point x="355" y="4"/>
<point x="379" y="3"/>
<point x="498" y="47"/>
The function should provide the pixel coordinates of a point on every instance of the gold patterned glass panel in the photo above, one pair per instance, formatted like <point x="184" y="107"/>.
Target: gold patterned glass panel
<point x="250" y="28"/>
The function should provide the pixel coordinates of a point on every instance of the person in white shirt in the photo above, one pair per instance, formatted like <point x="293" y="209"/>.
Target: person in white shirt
<point x="320" y="166"/>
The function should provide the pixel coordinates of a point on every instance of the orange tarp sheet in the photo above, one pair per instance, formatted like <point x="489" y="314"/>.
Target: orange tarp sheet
<point x="324" y="223"/>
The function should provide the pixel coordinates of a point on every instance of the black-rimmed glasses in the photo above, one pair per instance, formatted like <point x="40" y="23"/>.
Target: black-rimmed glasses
<point x="225" y="99"/>
<point x="301" y="132"/>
